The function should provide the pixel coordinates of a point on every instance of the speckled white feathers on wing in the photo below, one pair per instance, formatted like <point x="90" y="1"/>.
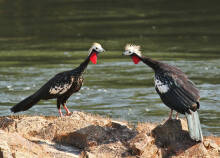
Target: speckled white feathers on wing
<point x="60" y="89"/>
<point x="163" y="87"/>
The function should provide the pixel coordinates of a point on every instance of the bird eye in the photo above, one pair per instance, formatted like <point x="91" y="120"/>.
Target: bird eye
<point x="96" y="48"/>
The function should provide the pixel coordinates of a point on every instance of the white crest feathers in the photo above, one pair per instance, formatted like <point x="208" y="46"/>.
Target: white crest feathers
<point x="96" y="45"/>
<point x="133" y="48"/>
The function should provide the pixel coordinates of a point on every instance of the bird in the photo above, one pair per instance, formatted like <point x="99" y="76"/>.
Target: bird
<point x="62" y="85"/>
<point x="175" y="89"/>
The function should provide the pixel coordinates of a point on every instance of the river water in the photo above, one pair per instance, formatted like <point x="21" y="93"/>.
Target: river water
<point x="41" y="38"/>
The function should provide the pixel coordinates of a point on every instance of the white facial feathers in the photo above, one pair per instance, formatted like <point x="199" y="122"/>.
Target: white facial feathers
<point x="96" y="47"/>
<point x="130" y="49"/>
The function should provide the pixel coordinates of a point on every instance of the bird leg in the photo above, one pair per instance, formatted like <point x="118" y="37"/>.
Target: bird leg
<point x="177" y="116"/>
<point x="60" y="112"/>
<point x="170" y="115"/>
<point x="68" y="113"/>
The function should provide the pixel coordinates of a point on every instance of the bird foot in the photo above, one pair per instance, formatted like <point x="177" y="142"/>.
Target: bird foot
<point x="68" y="114"/>
<point x="170" y="118"/>
<point x="60" y="113"/>
<point x="177" y="118"/>
<point x="170" y="115"/>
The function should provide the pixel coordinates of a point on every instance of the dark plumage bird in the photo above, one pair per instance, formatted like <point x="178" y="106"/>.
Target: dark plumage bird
<point x="174" y="88"/>
<point x="62" y="85"/>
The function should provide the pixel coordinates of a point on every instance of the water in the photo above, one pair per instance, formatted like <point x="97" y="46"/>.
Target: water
<point x="38" y="40"/>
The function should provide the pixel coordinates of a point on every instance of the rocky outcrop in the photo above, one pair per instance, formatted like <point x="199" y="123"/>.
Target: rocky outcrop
<point x="86" y="135"/>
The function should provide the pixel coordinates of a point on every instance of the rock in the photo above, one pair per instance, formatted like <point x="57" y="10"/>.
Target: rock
<point x="92" y="136"/>
<point x="151" y="151"/>
<point x="16" y="145"/>
<point x="115" y="150"/>
<point x="6" y="122"/>
<point x="75" y="139"/>
<point x="170" y="132"/>
<point x="210" y="144"/>
<point x="4" y="148"/>
<point x="140" y="143"/>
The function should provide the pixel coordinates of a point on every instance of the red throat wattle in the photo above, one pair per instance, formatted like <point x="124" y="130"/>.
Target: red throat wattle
<point x="135" y="59"/>
<point x="93" y="58"/>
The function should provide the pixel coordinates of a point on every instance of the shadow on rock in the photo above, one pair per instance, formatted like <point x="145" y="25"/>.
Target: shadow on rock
<point x="172" y="137"/>
<point x="95" y="135"/>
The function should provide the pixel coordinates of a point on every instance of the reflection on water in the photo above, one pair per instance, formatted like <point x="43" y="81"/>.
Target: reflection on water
<point x="41" y="38"/>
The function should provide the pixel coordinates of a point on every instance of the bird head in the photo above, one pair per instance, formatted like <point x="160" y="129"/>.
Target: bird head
<point x="94" y="51"/>
<point x="134" y="52"/>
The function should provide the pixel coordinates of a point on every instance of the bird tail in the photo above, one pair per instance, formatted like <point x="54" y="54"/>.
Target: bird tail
<point x="26" y="104"/>
<point x="194" y="127"/>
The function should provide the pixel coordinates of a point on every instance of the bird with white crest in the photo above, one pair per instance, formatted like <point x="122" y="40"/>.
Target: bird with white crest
<point x="174" y="88"/>
<point x="62" y="85"/>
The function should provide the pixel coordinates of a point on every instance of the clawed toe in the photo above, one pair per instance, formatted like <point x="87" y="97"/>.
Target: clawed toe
<point x="68" y="114"/>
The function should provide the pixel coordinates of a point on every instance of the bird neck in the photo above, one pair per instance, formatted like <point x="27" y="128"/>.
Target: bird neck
<point x="150" y="62"/>
<point x="82" y="67"/>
